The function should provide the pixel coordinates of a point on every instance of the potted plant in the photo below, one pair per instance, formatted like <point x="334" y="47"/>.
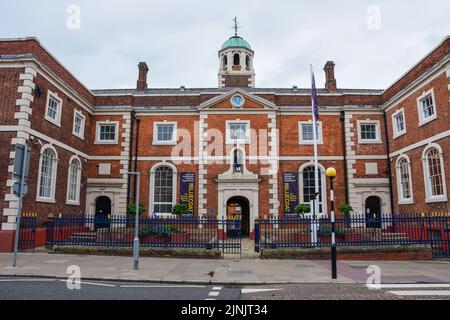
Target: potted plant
<point x="301" y="209"/>
<point x="345" y="209"/>
<point x="182" y="211"/>
<point x="131" y="209"/>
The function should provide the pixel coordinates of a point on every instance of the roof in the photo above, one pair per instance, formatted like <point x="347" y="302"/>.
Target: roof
<point x="236" y="41"/>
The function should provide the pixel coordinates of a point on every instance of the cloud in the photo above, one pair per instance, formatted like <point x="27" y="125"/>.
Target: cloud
<point x="179" y="39"/>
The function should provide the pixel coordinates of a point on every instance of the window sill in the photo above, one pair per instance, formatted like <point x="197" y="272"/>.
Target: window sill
<point x="400" y="202"/>
<point x="436" y="199"/>
<point x="424" y="122"/>
<point x="370" y="142"/>
<point x="237" y="142"/>
<point x="72" y="203"/>
<point x="45" y="200"/>
<point x="105" y="142"/>
<point x="54" y="122"/>
<point x="165" y="143"/>
<point x="309" y="142"/>
<point x="78" y="136"/>
<point x="395" y="136"/>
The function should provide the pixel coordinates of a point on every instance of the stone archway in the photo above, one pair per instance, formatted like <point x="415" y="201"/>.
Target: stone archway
<point x="238" y="207"/>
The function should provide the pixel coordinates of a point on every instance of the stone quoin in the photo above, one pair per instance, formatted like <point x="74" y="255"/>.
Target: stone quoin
<point x="390" y="147"/>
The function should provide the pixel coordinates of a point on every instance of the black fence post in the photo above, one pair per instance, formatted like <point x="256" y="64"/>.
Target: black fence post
<point x="257" y="235"/>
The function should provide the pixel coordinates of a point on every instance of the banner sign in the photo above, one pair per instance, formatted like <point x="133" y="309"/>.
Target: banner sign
<point x="187" y="190"/>
<point x="290" y="192"/>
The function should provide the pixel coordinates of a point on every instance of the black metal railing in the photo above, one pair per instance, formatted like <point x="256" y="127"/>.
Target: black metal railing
<point x="27" y="232"/>
<point x="119" y="231"/>
<point x="359" y="230"/>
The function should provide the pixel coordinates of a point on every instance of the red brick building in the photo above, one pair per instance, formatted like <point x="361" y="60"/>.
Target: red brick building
<point x="213" y="148"/>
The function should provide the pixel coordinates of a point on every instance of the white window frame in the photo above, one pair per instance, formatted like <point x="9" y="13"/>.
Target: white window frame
<point x="54" y="96"/>
<point x="402" y="200"/>
<point x="155" y="133"/>
<point x="237" y="141"/>
<point x="77" y="200"/>
<point x="429" y="197"/>
<point x="377" y="140"/>
<point x="81" y="115"/>
<point x="97" y="132"/>
<point x="51" y="199"/>
<point x="152" y="186"/>
<point x="423" y="121"/>
<point x="396" y="133"/>
<point x="300" y="132"/>
<point x="322" y="176"/>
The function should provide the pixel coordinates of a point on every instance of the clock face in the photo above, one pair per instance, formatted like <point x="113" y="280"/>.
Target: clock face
<point x="237" y="101"/>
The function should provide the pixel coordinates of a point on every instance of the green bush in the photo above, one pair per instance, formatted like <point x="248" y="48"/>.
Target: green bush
<point x="345" y="209"/>
<point x="180" y="209"/>
<point x="302" y="209"/>
<point x="131" y="209"/>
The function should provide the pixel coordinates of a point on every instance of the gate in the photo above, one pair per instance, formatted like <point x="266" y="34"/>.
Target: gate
<point x="27" y="233"/>
<point x="232" y="236"/>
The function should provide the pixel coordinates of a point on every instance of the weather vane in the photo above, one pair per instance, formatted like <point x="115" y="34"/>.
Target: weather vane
<point x="236" y="26"/>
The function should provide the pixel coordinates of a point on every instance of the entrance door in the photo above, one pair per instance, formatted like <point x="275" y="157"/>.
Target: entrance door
<point x="373" y="212"/>
<point x="239" y="208"/>
<point x="102" y="212"/>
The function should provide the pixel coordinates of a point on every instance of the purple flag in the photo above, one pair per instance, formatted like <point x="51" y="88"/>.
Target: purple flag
<point x="315" y="105"/>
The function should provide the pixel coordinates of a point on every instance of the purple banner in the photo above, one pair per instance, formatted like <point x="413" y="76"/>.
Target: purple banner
<point x="187" y="190"/>
<point x="290" y="192"/>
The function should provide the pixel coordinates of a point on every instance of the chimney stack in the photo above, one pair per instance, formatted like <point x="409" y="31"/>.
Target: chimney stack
<point x="142" y="78"/>
<point x="330" y="81"/>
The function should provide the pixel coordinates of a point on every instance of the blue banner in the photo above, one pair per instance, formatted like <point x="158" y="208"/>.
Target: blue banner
<point x="187" y="190"/>
<point x="290" y="192"/>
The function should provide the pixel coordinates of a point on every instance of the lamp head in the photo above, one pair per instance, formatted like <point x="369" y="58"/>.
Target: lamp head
<point x="331" y="172"/>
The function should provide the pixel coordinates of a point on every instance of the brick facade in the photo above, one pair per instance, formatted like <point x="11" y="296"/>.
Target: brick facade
<point x="201" y="117"/>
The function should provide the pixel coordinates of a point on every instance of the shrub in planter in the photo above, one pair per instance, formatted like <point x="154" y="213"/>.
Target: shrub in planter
<point x="131" y="209"/>
<point x="182" y="211"/>
<point x="301" y="209"/>
<point x="345" y="209"/>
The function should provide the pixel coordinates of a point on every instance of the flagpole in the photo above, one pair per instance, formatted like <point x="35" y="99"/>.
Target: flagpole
<point x="316" y="160"/>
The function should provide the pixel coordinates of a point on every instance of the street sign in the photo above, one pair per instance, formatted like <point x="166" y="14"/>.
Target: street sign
<point x="19" y="166"/>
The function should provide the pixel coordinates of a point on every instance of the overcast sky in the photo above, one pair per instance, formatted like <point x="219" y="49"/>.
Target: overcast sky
<point x="371" y="42"/>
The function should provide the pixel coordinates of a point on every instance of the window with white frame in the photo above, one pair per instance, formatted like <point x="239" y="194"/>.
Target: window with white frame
<point x="434" y="174"/>
<point x="53" y="108"/>
<point x="308" y="186"/>
<point x="404" y="184"/>
<point x="74" y="181"/>
<point x="369" y="131"/>
<point x="398" y="123"/>
<point x="163" y="190"/>
<point x="426" y="107"/>
<point x="47" y="175"/>
<point x="306" y="132"/>
<point x="238" y="132"/>
<point x="106" y="132"/>
<point x="78" y="124"/>
<point x="164" y="132"/>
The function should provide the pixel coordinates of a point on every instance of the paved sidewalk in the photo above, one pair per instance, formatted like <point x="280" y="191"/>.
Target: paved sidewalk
<point x="220" y="271"/>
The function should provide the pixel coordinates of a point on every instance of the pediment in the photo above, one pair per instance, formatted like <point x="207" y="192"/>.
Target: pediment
<point x="251" y="102"/>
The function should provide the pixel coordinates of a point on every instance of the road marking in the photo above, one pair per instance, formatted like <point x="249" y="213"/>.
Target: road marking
<point x="26" y="280"/>
<point x="93" y="283"/>
<point x="213" y="293"/>
<point x="159" y="286"/>
<point x="217" y="288"/>
<point x="408" y="285"/>
<point x="210" y="299"/>
<point x="258" y="290"/>
<point x="421" y="293"/>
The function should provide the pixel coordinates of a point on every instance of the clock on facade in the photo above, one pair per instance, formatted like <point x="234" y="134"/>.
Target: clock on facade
<point x="237" y="101"/>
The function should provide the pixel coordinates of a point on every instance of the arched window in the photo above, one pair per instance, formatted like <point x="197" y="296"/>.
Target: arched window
<point x="225" y="61"/>
<point x="47" y="174"/>
<point x="236" y="59"/>
<point x="247" y="61"/>
<point x="434" y="173"/>
<point x="238" y="158"/>
<point x="163" y="190"/>
<point x="74" y="181"/>
<point x="404" y="180"/>
<point x="308" y="187"/>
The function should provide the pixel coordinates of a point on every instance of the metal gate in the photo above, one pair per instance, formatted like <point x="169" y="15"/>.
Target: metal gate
<point x="232" y="236"/>
<point x="27" y="233"/>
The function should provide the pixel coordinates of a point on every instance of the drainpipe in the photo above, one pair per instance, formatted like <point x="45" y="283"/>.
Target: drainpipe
<point x="133" y="117"/>
<point x="388" y="149"/>
<point x="344" y="145"/>
<point x="138" y="121"/>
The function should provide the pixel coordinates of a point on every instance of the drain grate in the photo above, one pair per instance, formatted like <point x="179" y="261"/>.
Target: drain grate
<point x="233" y="286"/>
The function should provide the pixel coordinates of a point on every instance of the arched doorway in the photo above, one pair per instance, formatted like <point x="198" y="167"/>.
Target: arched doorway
<point x="239" y="207"/>
<point x="373" y="212"/>
<point x="102" y="212"/>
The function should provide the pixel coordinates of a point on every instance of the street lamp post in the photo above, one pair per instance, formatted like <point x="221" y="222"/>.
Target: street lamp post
<point x="331" y="173"/>
<point x="136" y="222"/>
